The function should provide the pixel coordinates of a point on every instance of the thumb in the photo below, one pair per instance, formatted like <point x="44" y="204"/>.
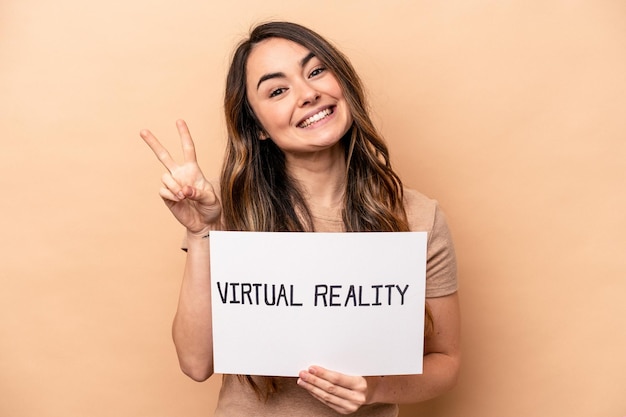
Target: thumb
<point x="201" y="196"/>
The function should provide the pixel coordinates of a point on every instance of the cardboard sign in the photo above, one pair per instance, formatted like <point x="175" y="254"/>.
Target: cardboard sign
<point x="350" y="302"/>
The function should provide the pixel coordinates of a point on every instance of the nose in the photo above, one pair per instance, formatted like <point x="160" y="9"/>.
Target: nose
<point x="308" y="94"/>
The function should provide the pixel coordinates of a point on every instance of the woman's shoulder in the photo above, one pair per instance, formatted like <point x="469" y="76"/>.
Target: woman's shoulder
<point x="413" y="196"/>
<point x="425" y="215"/>
<point x="421" y="210"/>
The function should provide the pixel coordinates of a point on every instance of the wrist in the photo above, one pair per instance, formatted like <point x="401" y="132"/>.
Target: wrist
<point x="204" y="233"/>
<point x="372" y="388"/>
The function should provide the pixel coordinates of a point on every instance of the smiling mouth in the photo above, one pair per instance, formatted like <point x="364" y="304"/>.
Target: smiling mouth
<point x="315" y="118"/>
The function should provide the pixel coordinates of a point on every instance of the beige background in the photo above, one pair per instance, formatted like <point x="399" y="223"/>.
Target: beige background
<point x="510" y="113"/>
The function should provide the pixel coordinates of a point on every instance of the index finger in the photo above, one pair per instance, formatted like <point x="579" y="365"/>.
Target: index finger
<point x="159" y="150"/>
<point x="189" y="149"/>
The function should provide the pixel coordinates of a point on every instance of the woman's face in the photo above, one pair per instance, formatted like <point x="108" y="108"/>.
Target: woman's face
<point x="298" y="101"/>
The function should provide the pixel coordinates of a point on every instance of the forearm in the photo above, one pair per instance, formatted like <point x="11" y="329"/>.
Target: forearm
<point x="440" y="373"/>
<point x="192" y="327"/>
<point x="442" y="360"/>
<point x="346" y="393"/>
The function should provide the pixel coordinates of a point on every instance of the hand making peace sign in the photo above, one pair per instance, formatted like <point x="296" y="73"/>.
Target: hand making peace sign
<point x="185" y="191"/>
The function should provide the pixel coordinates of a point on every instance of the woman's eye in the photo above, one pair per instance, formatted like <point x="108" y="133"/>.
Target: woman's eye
<point x="277" y="92"/>
<point x="317" y="71"/>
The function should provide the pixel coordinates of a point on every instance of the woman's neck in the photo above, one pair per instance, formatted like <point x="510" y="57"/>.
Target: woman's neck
<point x="321" y="176"/>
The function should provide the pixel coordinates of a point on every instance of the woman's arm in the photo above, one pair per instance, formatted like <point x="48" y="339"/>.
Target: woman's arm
<point x="192" y="330"/>
<point x="442" y="359"/>
<point x="194" y="203"/>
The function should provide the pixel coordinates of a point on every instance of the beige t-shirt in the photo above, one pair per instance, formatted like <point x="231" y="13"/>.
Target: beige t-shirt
<point x="237" y="399"/>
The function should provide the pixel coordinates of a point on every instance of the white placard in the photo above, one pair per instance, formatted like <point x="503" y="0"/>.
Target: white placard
<point x="350" y="302"/>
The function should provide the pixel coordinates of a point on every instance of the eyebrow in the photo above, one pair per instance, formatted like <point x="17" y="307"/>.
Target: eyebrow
<point x="271" y="75"/>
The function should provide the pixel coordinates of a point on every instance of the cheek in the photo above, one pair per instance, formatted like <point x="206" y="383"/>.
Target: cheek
<point x="336" y="87"/>
<point x="274" y="118"/>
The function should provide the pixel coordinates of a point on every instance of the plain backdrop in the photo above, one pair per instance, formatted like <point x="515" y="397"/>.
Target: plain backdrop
<point x="510" y="113"/>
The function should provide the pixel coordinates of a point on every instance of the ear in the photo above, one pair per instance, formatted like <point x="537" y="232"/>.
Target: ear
<point x="263" y="135"/>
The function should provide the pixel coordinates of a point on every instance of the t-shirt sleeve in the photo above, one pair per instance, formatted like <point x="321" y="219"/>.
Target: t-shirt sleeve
<point x="441" y="269"/>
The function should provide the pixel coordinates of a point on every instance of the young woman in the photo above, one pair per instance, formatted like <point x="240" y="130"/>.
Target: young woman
<point x="303" y="155"/>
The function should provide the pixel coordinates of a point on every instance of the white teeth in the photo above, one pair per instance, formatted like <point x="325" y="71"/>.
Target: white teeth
<point x="316" y="117"/>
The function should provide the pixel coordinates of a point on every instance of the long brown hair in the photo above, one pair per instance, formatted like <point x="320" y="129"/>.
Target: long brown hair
<point x="257" y="192"/>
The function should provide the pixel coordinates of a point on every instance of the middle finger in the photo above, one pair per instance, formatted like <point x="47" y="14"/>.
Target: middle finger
<point x="189" y="149"/>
